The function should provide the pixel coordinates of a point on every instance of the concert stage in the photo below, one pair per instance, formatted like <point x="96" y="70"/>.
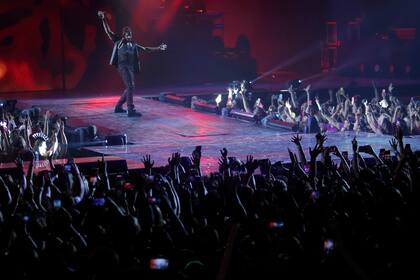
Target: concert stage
<point x="164" y="129"/>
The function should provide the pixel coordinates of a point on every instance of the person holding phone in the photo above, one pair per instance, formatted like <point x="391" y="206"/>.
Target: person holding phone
<point x="125" y="56"/>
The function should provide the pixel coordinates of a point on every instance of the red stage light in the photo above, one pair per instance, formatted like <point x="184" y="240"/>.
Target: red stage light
<point x="3" y="69"/>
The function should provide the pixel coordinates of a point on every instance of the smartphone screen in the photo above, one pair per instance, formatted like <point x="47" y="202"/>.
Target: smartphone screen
<point x="67" y="167"/>
<point x="98" y="201"/>
<point x="275" y="224"/>
<point x="56" y="203"/>
<point x="159" y="264"/>
<point x="315" y="195"/>
<point x="328" y="245"/>
<point x="153" y="200"/>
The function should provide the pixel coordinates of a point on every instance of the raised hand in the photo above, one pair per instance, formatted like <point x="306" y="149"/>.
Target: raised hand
<point x="288" y="106"/>
<point x="251" y="164"/>
<point x="365" y="102"/>
<point x="320" y="139"/>
<point x="224" y="153"/>
<point x="354" y="145"/>
<point x="196" y="156"/>
<point x="390" y="88"/>
<point x="101" y="14"/>
<point x="223" y="161"/>
<point x="148" y="163"/>
<point x="307" y="88"/>
<point x="48" y="114"/>
<point x="175" y="160"/>
<point x="296" y="139"/>
<point x="394" y="144"/>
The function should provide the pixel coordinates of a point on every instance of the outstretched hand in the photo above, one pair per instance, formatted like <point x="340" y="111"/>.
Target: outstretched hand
<point x="163" y="47"/>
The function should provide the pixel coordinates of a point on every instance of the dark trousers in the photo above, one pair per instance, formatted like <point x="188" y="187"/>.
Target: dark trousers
<point x="127" y="75"/>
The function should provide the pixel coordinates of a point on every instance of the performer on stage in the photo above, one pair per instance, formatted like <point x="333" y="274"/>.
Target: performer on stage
<point x="125" y="56"/>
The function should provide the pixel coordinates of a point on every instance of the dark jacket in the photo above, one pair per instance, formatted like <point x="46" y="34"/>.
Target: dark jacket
<point x="114" y="57"/>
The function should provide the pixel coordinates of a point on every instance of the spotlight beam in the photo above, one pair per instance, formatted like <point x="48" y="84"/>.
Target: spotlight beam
<point x="288" y="62"/>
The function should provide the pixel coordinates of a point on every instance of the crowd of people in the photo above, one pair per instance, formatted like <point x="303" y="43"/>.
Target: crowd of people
<point x="332" y="215"/>
<point x="24" y="131"/>
<point x="317" y="217"/>
<point x="381" y="115"/>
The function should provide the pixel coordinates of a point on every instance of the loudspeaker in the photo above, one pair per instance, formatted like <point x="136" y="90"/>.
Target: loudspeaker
<point x="174" y="99"/>
<point x="114" y="140"/>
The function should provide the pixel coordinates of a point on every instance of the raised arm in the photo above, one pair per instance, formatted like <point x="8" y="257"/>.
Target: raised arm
<point x="375" y="90"/>
<point x="293" y="97"/>
<point x="105" y="25"/>
<point x="161" y="47"/>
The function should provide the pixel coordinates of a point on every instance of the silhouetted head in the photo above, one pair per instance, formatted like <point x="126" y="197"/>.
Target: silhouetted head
<point x="127" y="34"/>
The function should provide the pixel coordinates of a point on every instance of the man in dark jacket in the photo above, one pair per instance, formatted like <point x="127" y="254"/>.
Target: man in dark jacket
<point x="125" y="56"/>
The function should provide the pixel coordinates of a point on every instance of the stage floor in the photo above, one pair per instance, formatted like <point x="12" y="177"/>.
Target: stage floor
<point x="164" y="129"/>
